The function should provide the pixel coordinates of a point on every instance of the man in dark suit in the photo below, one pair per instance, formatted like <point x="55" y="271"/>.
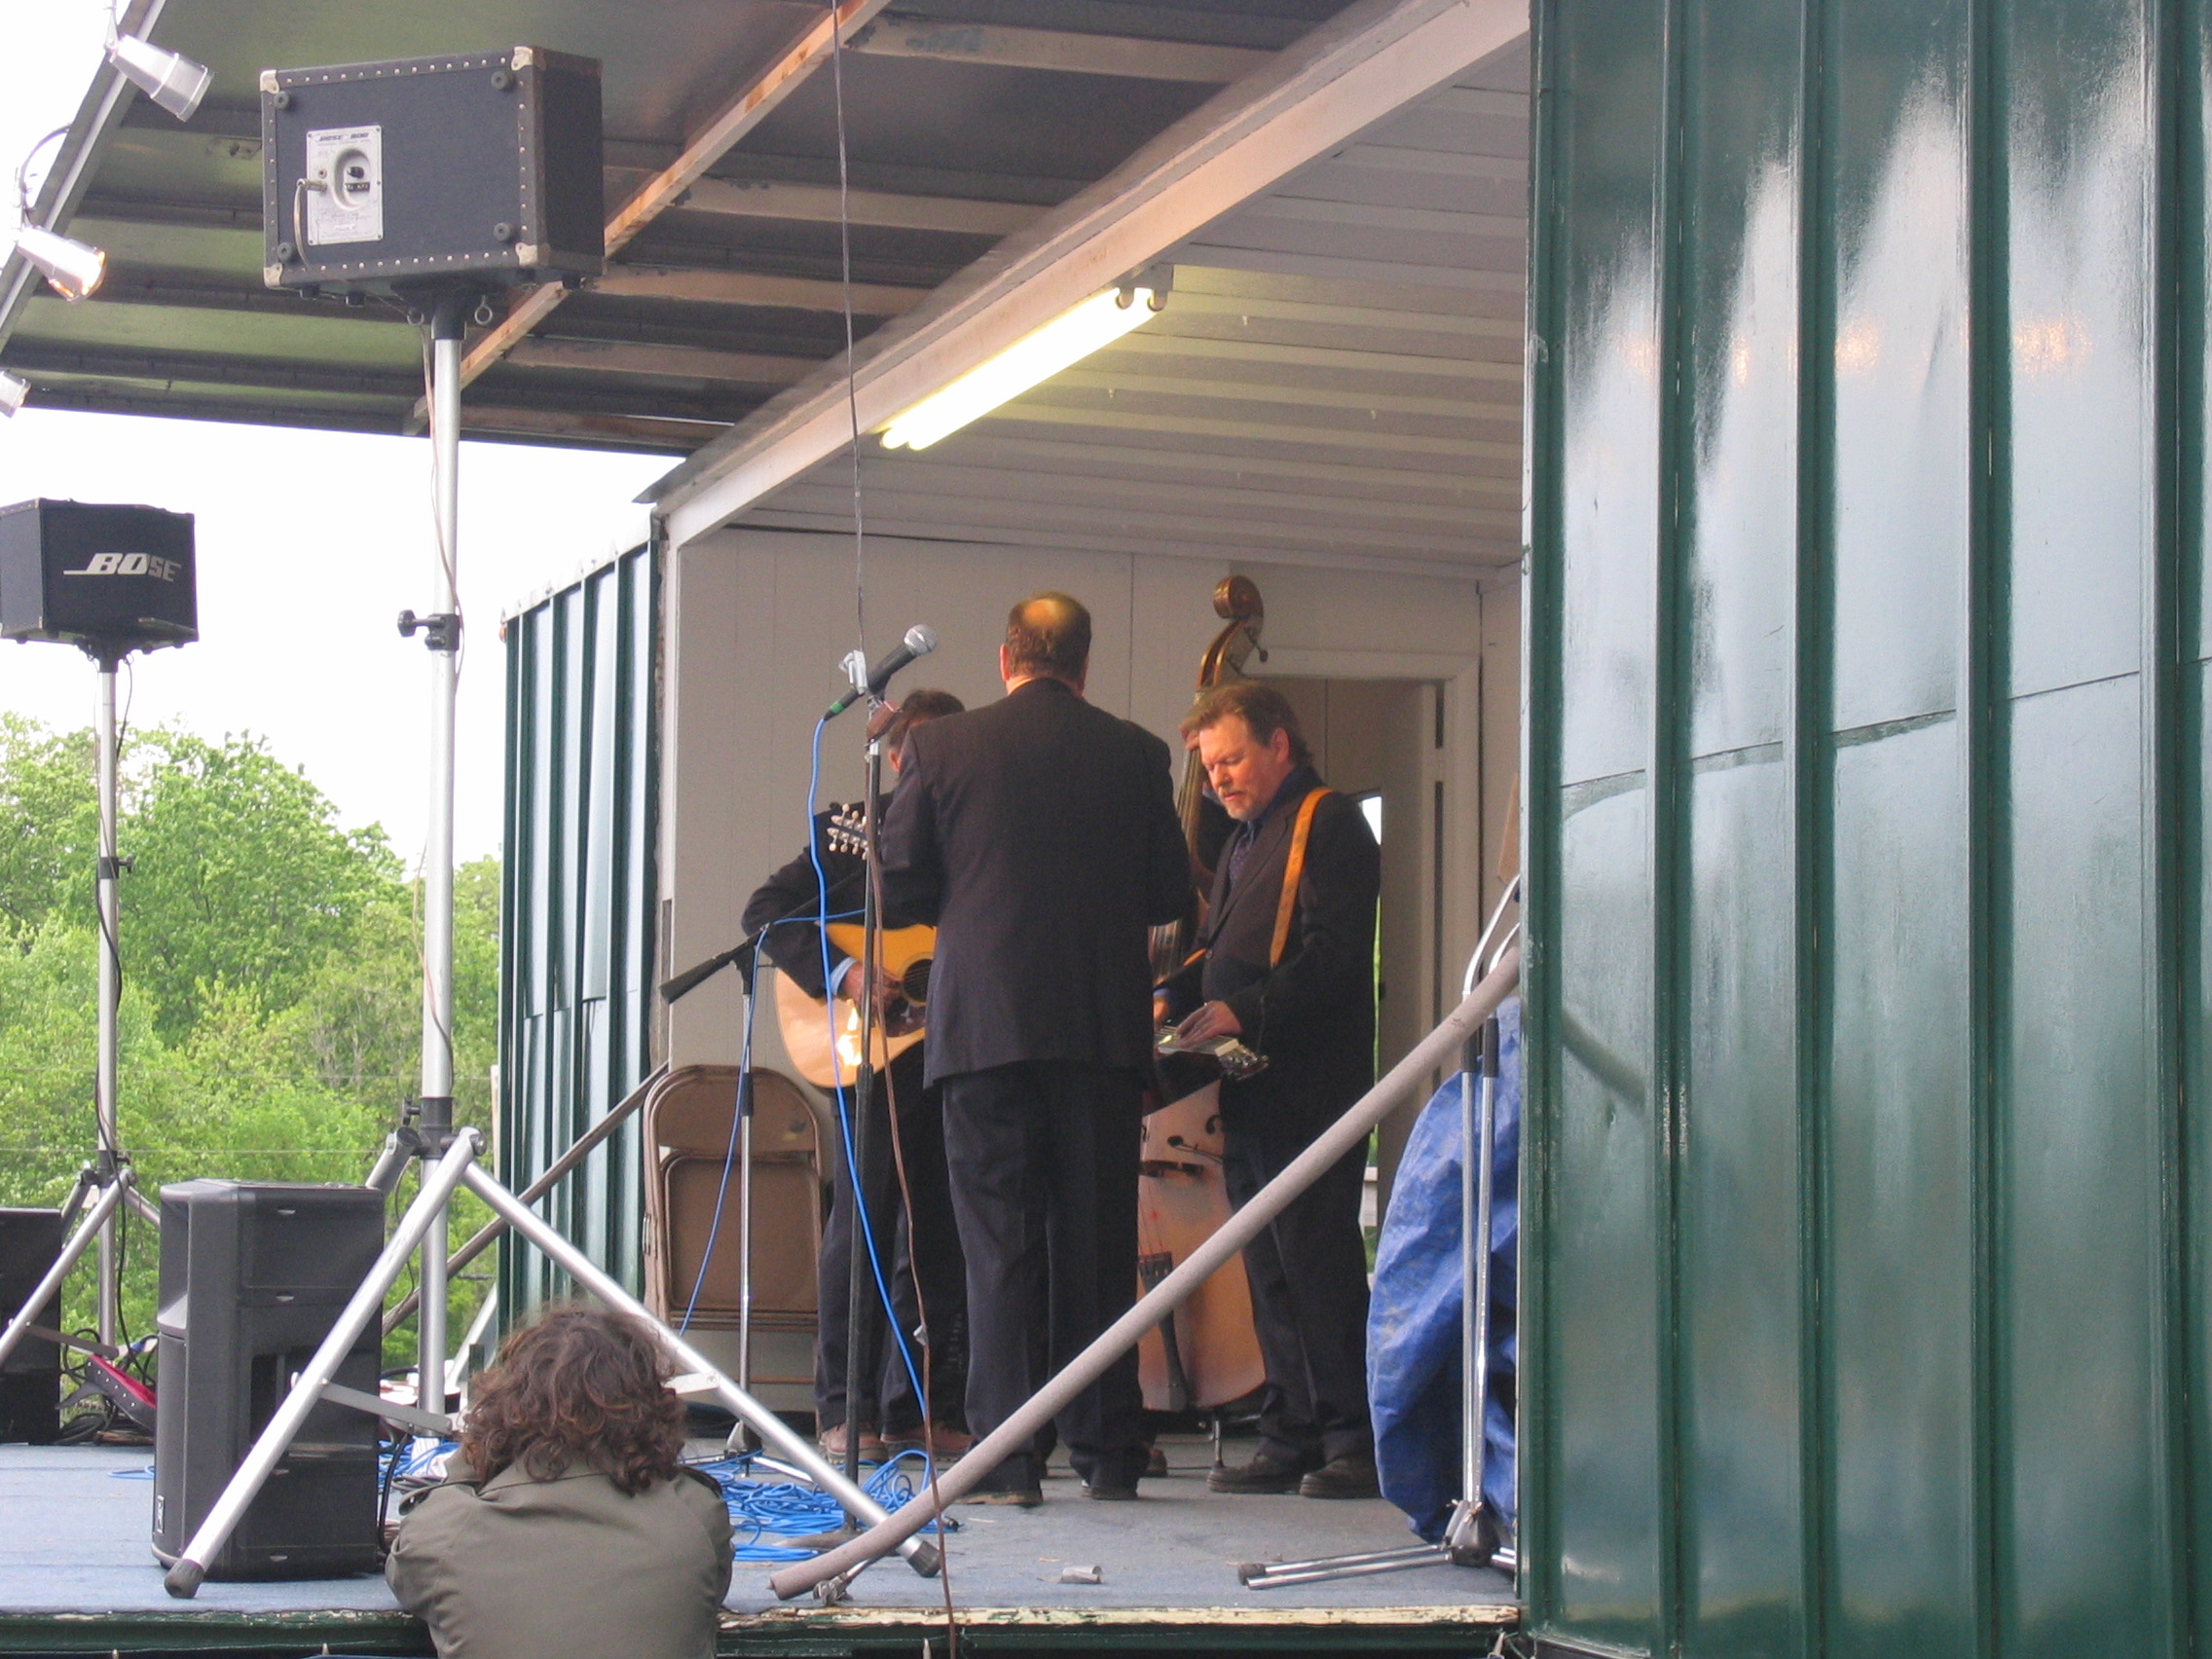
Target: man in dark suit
<point x="1288" y="966"/>
<point x="923" y="1258"/>
<point x="1040" y="835"/>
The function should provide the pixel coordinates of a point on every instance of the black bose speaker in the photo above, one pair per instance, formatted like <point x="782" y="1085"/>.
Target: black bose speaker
<point x="104" y="577"/>
<point x="254" y="1277"/>
<point x="380" y="177"/>
<point x="30" y="1383"/>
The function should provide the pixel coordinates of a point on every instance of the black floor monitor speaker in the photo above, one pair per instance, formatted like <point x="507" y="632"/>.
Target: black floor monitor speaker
<point x="254" y="1277"/>
<point x="30" y="1383"/>
<point x="414" y="173"/>
<point x="109" y="578"/>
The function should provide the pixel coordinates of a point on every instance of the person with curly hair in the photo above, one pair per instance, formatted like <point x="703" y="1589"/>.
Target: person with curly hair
<point x="567" y="1524"/>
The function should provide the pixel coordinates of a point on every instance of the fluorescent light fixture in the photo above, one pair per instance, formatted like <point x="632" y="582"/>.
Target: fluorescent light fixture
<point x="73" y="269"/>
<point x="13" y="391"/>
<point x="169" y="79"/>
<point x="1036" y="357"/>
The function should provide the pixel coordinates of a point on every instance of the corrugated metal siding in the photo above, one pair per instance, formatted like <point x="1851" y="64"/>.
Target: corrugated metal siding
<point x="578" y="946"/>
<point x="1868" y="791"/>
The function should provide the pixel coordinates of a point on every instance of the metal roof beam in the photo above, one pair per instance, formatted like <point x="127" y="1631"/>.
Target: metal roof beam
<point x="1110" y="457"/>
<point x="823" y="204"/>
<point x="1001" y="46"/>
<point x="760" y="98"/>
<point x="677" y="362"/>
<point x="1470" y="450"/>
<point x="1370" y="60"/>
<point x="483" y="419"/>
<point x="708" y="286"/>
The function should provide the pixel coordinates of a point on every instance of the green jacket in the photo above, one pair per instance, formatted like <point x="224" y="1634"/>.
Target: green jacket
<point x="569" y="1568"/>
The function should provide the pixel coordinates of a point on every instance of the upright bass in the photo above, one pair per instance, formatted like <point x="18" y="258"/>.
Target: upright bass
<point x="1206" y="1354"/>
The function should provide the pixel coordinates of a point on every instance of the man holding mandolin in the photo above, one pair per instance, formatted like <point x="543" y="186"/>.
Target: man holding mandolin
<point x="1285" y="964"/>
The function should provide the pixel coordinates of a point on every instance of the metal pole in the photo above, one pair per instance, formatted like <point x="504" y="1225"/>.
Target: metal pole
<point x="1239" y="1231"/>
<point x="429" y="1206"/>
<point x="1474" y="1104"/>
<point x="1465" y="1535"/>
<point x="444" y="639"/>
<point x="859" y="1224"/>
<point x="774" y="1433"/>
<point x="745" y="1217"/>
<point x="96" y="1223"/>
<point x="110" y="995"/>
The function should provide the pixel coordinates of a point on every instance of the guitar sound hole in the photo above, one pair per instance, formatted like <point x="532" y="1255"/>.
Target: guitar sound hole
<point x="915" y="983"/>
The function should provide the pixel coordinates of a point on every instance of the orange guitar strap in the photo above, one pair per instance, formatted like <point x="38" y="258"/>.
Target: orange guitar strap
<point x="1293" y="873"/>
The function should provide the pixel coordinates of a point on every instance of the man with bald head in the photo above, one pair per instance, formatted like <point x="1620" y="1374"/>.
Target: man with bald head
<point x="1038" y="833"/>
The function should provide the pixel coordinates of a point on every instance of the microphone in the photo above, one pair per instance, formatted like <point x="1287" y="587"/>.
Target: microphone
<point x="920" y="641"/>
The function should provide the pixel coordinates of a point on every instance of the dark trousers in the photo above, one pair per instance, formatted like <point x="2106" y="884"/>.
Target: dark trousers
<point x="929" y="1253"/>
<point x="1044" y="1158"/>
<point x="1308" y="1269"/>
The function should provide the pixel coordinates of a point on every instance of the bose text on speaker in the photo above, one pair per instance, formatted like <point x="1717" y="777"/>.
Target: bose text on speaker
<point x="112" y="580"/>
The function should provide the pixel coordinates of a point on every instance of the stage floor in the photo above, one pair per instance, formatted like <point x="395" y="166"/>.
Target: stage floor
<point x="76" y="1574"/>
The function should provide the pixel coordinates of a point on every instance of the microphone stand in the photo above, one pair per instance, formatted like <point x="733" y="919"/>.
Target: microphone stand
<point x="861" y="1233"/>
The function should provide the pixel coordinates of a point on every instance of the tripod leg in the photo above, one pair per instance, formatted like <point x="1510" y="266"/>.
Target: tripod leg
<point x="391" y="1163"/>
<point x="141" y="1207"/>
<point x="87" y="1229"/>
<point x="191" y="1569"/>
<point x="774" y="1434"/>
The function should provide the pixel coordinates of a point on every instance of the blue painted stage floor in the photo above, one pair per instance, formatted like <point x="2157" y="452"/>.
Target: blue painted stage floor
<point x="77" y="1574"/>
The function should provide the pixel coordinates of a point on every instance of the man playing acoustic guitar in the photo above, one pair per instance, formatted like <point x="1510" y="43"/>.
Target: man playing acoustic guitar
<point x="930" y="1253"/>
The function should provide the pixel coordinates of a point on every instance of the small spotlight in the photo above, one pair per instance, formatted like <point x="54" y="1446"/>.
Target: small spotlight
<point x="13" y="391"/>
<point x="73" y="269"/>
<point x="170" y="79"/>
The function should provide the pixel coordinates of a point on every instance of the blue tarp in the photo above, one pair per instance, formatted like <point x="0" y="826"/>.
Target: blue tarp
<point x="1412" y="1321"/>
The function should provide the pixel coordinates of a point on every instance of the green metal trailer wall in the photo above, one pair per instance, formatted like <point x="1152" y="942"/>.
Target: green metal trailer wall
<point x="1866" y="724"/>
<point x="577" y="957"/>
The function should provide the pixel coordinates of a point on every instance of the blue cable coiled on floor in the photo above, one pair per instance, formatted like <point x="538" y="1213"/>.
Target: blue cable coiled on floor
<point x="760" y="1512"/>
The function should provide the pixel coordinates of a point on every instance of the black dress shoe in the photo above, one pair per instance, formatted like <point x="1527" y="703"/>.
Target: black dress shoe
<point x="1264" y="1473"/>
<point x="1349" y="1476"/>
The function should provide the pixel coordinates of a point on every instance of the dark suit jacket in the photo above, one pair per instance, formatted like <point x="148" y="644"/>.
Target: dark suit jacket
<point x="1314" y="1014"/>
<point x="1038" y="833"/>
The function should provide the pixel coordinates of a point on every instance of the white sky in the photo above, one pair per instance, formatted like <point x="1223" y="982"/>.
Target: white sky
<point x="310" y="545"/>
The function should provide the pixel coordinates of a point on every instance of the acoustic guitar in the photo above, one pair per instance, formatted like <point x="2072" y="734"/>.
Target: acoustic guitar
<point x="807" y="1023"/>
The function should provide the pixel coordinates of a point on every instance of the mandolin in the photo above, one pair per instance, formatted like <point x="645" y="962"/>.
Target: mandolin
<point x="1206" y="1352"/>
<point x="806" y="1022"/>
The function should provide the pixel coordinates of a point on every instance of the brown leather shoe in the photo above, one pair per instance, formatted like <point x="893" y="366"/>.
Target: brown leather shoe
<point x="1017" y="1498"/>
<point x="1349" y="1476"/>
<point x="832" y="1442"/>
<point x="1264" y="1473"/>
<point x="950" y="1441"/>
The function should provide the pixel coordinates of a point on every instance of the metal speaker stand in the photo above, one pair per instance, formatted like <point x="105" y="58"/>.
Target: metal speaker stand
<point x="1473" y="1535"/>
<point x="108" y="1172"/>
<point x="455" y="1169"/>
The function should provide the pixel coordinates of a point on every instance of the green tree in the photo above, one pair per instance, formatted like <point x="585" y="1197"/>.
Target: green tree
<point x="240" y="874"/>
<point x="270" y="1017"/>
<point x="48" y="821"/>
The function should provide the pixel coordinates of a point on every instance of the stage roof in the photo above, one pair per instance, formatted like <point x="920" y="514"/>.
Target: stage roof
<point x="969" y="120"/>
